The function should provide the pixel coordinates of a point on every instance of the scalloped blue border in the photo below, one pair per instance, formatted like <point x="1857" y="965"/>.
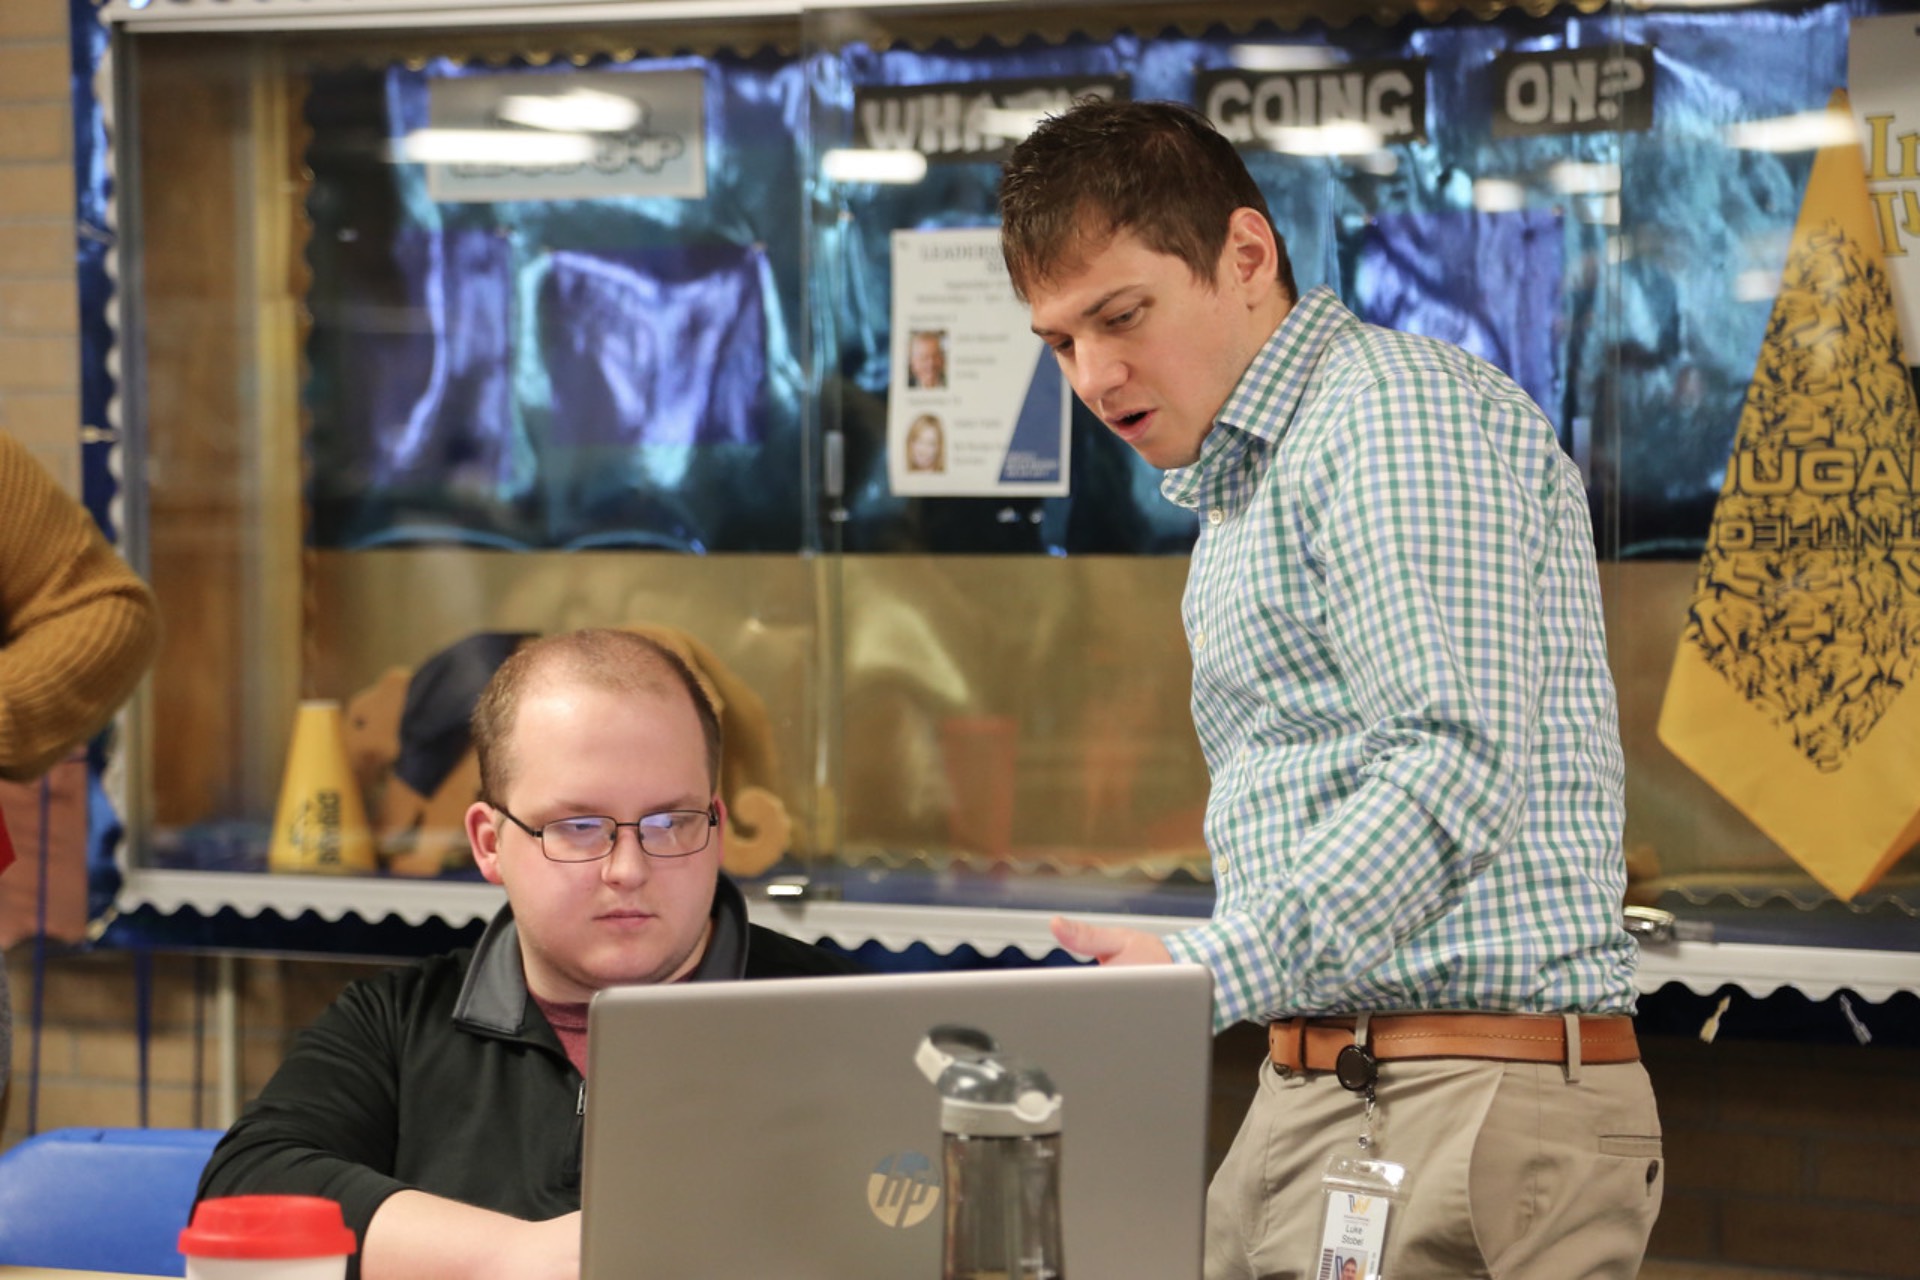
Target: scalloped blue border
<point x="102" y="453"/>
<point x="95" y="239"/>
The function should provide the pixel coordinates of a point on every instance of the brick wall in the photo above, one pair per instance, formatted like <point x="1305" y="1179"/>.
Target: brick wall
<point x="39" y="361"/>
<point x="89" y="1046"/>
<point x="1793" y="1156"/>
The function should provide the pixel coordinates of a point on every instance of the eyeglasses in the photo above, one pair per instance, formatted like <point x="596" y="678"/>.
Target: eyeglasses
<point x="671" y="833"/>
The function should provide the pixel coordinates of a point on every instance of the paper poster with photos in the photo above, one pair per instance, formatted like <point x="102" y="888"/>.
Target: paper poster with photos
<point x="978" y="406"/>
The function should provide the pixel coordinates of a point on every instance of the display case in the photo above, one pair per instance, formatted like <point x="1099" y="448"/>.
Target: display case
<point x="432" y="325"/>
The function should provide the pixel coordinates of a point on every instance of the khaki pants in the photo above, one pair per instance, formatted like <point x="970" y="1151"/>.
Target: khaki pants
<point x="1515" y="1172"/>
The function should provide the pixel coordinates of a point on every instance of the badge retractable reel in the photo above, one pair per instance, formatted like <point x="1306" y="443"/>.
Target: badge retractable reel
<point x="1360" y="1191"/>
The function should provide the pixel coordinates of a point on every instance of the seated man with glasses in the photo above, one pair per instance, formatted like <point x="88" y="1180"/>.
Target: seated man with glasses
<point x="441" y="1105"/>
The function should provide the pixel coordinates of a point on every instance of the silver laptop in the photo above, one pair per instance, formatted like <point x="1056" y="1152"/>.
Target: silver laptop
<point x="754" y="1130"/>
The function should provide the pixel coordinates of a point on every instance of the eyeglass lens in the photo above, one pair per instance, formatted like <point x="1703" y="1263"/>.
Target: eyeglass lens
<point x="674" y="834"/>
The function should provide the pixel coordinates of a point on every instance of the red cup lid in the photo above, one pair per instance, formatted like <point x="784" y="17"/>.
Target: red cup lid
<point x="266" y="1227"/>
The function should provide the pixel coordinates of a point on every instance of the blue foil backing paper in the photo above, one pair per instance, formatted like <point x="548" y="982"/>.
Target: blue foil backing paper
<point x="559" y="373"/>
<point x="626" y="372"/>
<point x="1487" y="282"/>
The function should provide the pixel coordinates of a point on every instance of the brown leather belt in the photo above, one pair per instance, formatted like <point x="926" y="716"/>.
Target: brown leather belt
<point x="1314" y="1043"/>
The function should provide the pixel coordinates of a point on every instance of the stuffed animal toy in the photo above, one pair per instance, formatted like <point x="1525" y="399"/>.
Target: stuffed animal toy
<point x="407" y="741"/>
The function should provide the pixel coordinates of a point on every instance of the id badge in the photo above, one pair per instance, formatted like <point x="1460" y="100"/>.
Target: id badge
<point x="1361" y="1196"/>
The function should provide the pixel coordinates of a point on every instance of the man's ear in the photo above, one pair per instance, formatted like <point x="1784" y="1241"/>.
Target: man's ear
<point x="1250" y="256"/>
<point x="483" y="838"/>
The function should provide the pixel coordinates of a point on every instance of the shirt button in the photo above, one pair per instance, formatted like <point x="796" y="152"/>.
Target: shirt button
<point x="1199" y="639"/>
<point x="1216" y="516"/>
<point x="1223" y="864"/>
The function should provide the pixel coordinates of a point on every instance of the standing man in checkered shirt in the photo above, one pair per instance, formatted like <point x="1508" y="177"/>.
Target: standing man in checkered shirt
<point x="1401" y="688"/>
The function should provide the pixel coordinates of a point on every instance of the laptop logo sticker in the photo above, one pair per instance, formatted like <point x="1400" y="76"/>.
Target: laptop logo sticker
<point x="903" y="1189"/>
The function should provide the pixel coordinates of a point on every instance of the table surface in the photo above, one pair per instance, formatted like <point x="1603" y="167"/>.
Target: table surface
<point x="54" y="1273"/>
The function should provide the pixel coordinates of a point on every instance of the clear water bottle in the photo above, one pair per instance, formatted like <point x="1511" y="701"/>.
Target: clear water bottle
<point x="1000" y="1125"/>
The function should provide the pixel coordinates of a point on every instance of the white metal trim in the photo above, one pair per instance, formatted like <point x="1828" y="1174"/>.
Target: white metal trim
<point x="1761" y="969"/>
<point x="1703" y="967"/>
<point x="457" y="902"/>
<point x="988" y="930"/>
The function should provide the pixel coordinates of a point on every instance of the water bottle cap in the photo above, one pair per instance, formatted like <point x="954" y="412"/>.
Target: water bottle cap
<point x="1036" y="1115"/>
<point x="948" y="1042"/>
<point x="266" y="1227"/>
<point x="999" y="1097"/>
<point x="982" y="1092"/>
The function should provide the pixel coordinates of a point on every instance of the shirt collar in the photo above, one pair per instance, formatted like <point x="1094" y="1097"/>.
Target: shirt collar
<point x="726" y="955"/>
<point x="1268" y="394"/>
<point x="493" y="996"/>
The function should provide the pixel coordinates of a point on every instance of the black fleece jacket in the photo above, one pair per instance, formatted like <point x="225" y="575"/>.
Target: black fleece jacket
<point x="445" y="1078"/>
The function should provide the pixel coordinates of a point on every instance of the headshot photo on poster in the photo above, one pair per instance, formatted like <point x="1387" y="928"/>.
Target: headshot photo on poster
<point x="926" y="444"/>
<point x="927" y="359"/>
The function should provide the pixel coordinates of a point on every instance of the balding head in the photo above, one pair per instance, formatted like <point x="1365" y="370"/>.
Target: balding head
<point x="598" y="658"/>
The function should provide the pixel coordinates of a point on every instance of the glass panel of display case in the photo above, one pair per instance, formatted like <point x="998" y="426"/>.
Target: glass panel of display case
<point x="408" y="396"/>
<point x="1611" y="206"/>
<point x="1396" y="178"/>
<point x="434" y="337"/>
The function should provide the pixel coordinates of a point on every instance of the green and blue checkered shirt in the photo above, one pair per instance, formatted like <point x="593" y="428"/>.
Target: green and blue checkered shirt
<point x="1400" y="684"/>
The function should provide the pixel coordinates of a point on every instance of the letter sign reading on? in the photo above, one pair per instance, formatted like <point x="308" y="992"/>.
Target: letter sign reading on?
<point x="1573" y="91"/>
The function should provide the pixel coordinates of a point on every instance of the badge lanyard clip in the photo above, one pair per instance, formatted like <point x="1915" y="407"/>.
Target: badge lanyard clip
<point x="1360" y="1192"/>
<point x="1356" y="1069"/>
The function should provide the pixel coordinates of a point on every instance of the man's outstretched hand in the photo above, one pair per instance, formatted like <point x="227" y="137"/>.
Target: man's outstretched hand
<point x="1109" y="944"/>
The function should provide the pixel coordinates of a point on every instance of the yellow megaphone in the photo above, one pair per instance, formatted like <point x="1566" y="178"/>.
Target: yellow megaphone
<point x="321" y="824"/>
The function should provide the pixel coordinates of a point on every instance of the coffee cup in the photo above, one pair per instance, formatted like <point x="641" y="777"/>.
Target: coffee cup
<point x="267" y="1238"/>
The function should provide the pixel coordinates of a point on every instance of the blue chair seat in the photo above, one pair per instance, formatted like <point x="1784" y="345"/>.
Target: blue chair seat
<point x="101" y="1199"/>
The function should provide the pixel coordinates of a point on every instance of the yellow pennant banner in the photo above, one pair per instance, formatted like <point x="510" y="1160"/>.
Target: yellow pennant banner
<point x="1789" y="692"/>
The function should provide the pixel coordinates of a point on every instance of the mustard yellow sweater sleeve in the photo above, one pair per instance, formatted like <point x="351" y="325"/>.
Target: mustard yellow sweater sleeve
<point x="77" y="627"/>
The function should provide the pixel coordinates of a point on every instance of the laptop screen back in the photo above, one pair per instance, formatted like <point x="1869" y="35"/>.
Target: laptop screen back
<point x="780" y="1130"/>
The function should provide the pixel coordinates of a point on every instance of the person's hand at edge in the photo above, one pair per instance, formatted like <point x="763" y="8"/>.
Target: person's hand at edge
<point x="418" y="1236"/>
<point x="1109" y="944"/>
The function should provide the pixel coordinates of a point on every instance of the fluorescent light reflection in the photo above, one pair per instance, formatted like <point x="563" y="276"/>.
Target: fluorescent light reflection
<point x="492" y="146"/>
<point x="1756" y="286"/>
<point x="1807" y="131"/>
<point x="576" y="111"/>
<point x="1338" y="138"/>
<point x="1577" y="178"/>
<point x="1013" y="125"/>
<point x="1283" y="57"/>
<point x="1498" y="195"/>
<point x="847" y="164"/>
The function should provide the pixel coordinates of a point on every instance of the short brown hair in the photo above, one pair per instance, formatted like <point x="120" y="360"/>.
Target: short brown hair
<point x="1157" y="169"/>
<point x="605" y="658"/>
